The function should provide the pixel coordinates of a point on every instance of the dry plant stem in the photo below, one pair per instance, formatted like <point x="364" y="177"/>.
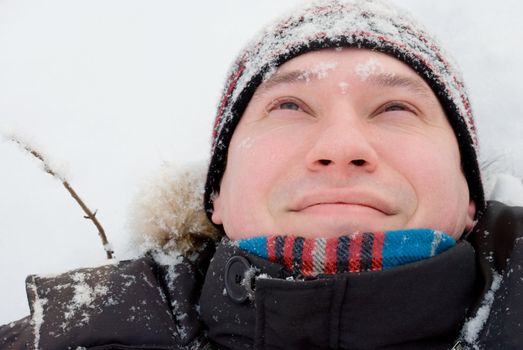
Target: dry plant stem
<point x="88" y="213"/>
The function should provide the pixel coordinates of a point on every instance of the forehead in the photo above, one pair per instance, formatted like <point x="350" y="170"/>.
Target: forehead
<point x="357" y="66"/>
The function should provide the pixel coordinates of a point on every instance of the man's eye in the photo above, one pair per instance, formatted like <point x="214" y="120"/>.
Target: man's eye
<point x="394" y="107"/>
<point x="288" y="105"/>
<point x="398" y="106"/>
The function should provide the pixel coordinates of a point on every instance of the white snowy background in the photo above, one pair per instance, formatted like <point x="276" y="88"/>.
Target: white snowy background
<point x="112" y="89"/>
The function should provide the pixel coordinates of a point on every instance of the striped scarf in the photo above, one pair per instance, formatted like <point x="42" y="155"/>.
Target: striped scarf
<point x="357" y="252"/>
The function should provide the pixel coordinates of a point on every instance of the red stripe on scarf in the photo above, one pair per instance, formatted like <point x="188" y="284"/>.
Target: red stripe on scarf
<point x="306" y="260"/>
<point x="355" y="252"/>
<point x="288" y="246"/>
<point x="330" y="256"/>
<point x="377" y="251"/>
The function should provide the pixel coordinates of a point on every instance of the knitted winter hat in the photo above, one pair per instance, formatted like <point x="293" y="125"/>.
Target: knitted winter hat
<point x="369" y="24"/>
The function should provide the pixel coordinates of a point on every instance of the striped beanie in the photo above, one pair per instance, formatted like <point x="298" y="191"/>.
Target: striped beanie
<point x="369" y="24"/>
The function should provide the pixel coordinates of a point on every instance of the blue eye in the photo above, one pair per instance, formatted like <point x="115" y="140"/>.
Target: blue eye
<point x="289" y="105"/>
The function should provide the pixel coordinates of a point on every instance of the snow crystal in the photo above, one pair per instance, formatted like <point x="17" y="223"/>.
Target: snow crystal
<point x="169" y="260"/>
<point x="83" y="298"/>
<point x="179" y="316"/>
<point x="59" y="168"/>
<point x="130" y="280"/>
<point x="474" y="325"/>
<point x="264" y="276"/>
<point x="246" y="282"/>
<point x="246" y="143"/>
<point x="197" y="309"/>
<point x="146" y="280"/>
<point x="270" y="72"/>
<point x="319" y="71"/>
<point x="344" y="87"/>
<point x="371" y="67"/>
<point x="37" y="318"/>
<point x="438" y="236"/>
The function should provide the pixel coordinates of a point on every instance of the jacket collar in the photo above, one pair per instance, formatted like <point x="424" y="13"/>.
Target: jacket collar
<point x="247" y="301"/>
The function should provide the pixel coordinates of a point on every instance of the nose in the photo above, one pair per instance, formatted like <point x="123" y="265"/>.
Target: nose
<point x="342" y="144"/>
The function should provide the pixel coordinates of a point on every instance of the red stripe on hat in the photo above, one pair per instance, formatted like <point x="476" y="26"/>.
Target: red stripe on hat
<point x="232" y="83"/>
<point x="271" y="248"/>
<point x="377" y="251"/>
<point x="288" y="246"/>
<point x="355" y="252"/>
<point x="306" y="259"/>
<point x="330" y="256"/>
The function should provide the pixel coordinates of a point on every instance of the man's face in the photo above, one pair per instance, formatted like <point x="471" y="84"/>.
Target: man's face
<point x="338" y="141"/>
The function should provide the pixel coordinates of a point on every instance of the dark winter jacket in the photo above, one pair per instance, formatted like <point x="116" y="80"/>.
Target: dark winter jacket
<point x="468" y="295"/>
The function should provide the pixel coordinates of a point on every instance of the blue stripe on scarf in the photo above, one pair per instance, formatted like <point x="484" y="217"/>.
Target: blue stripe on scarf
<point x="405" y="246"/>
<point x="255" y="245"/>
<point x="399" y="247"/>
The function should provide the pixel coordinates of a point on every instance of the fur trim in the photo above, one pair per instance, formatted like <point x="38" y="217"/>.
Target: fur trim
<point x="168" y="213"/>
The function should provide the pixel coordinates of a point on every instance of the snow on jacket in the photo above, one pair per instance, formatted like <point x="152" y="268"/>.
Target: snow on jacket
<point x="189" y="296"/>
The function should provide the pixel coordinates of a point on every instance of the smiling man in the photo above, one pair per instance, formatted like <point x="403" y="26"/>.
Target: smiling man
<point x="345" y="158"/>
<point x="348" y="208"/>
<point x="337" y="152"/>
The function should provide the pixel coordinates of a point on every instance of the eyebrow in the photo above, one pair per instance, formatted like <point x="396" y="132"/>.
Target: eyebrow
<point x="381" y="80"/>
<point x="292" y="77"/>
<point x="392" y="80"/>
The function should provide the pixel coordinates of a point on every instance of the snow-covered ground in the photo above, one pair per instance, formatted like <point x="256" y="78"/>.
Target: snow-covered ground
<point x="112" y="89"/>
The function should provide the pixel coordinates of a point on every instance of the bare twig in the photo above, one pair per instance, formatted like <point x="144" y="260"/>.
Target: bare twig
<point x="88" y="213"/>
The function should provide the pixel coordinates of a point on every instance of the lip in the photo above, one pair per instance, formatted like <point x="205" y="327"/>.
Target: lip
<point x="341" y="197"/>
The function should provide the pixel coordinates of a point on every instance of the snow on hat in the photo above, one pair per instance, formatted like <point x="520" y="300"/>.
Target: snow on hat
<point x="369" y="24"/>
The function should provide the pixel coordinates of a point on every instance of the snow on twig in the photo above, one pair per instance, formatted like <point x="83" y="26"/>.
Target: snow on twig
<point x="89" y="214"/>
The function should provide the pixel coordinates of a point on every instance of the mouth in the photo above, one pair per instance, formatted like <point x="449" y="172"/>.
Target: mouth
<point x="332" y="202"/>
<point x="341" y="209"/>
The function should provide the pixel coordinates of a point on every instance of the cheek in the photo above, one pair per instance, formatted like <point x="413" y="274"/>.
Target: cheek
<point x="430" y="162"/>
<point x="441" y="168"/>
<point x="433" y="171"/>
<point x="256" y="165"/>
<point x="267" y="149"/>
<point x="256" y="161"/>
